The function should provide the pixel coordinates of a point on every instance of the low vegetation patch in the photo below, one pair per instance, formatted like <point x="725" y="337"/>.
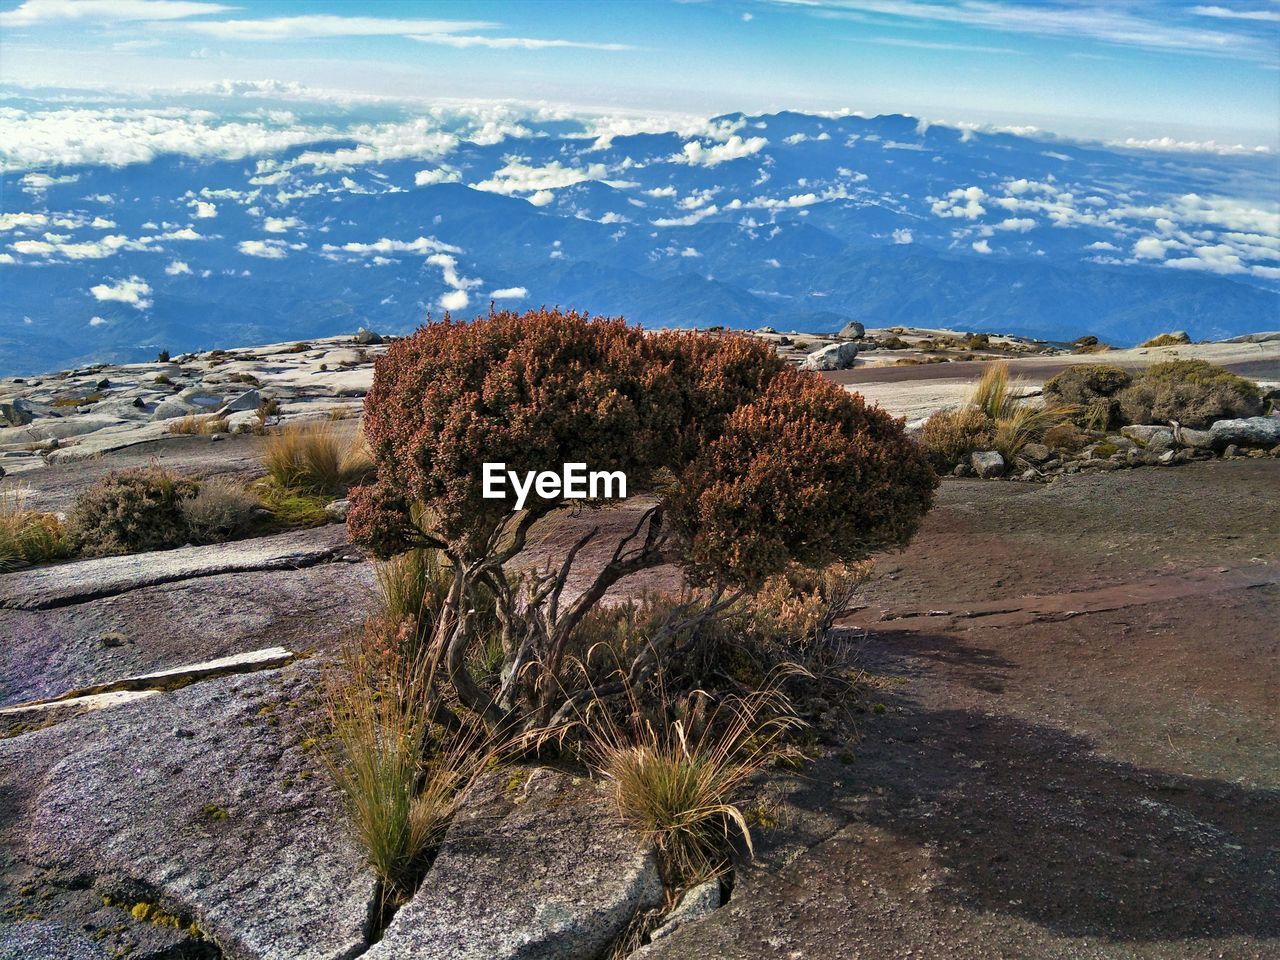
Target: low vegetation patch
<point x="199" y="424"/>
<point x="1192" y="392"/>
<point x="130" y="511"/>
<point x="1095" y="388"/>
<point x="1168" y="340"/>
<point x="313" y="458"/>
<point x="29" y="536"/>
<point x="220" y="510"/>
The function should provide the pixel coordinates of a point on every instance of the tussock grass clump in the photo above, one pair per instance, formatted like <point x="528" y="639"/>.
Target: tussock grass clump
<point x="220" y="510"/>
<point x="130" y="511"/>
<point x="996" y="418"/>
<point x="315" y="458"/>
<point x="678" y="770"/>
<point x="29" y="536"/>
<point x="199" y="424"/>
<point x="401" y="778"/>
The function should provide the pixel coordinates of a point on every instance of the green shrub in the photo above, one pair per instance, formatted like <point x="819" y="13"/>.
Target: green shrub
<point x="1193" y="392"/>
<point x="130" y="511"/>
<point x="949" y="436"/>
<point x="1095" y="387"/>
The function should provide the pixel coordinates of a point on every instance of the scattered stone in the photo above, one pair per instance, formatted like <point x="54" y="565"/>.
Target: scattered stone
<point x="1231" y="451"/>
<point x="852" y="330"/>
<point x="367" y="338"/>
<point x="1168" y="457"/>
<point x="696" y="903"/>
<point x="570" y="878"/>
<point x="1247" y="432"/>
<point x="962" y="470"/>
<point x="113" y="639"/>
<point x="249" y="400"/>
<point x="171" y="409"/>
<point x="1198" y="439"/>
<point x="15" y="413"/>
<point x="1036" y="453"/>
<point x="337" y="510"/>
<point x="987" y="464"/>
<point x="836" y="356"/>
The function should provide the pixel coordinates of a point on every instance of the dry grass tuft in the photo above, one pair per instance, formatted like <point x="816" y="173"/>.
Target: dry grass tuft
<point x="315" y="458"/>
<point x="401" y="778"/>
<point x="200" y="424"/>
<point x="677" y="780"/>
<point x="28" y="536"/>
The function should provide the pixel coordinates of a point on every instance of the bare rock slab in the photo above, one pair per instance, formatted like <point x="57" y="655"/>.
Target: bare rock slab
<point x="543" y="872"/>
<point x="45" y="588"/>
<point x="215" y="798"/>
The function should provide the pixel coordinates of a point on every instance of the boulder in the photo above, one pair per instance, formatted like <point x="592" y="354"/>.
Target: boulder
<point x="1036" y="453"/>
<point x="837" y="356"/>
<point x="852" y="330"/>
<point x="1196" y="439"/>
<point x="337" y="510"/>
<point x="213" y="799"/>
<point x="539" y="872"/>
<point x="171" y="409"/>
<point x="200" y="397"/>
<point x="367" y="338"/>
<point x="1246" y="432"/>
<point x="15" y="413"/>
<point x="249" y="400"/>
<point x="987" y="464"/>
<point x="1153" y="437"/>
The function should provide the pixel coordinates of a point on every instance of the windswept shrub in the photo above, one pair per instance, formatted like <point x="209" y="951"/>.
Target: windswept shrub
<point x="219" y="511"/>
<point x="1066" y="437"/>
<point x="1095" y="388"/>
<point x="131" y="511"/>
<point x="315" y="458"/>
<point x="1193" y="392"/>
<point x="751" y="467"/>
<point x="949" y="436"/>
<point x="799" y="606"/>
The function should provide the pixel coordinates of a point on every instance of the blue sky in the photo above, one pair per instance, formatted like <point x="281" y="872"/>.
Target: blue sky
<point x="1113" y="70"/>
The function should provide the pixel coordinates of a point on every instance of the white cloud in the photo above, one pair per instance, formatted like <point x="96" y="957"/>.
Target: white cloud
<point x="1227" y="13"/>
<point x="455" y="300"/>
<point x="542" y="198"/>
<point x="315" y="26"/>
<point x="687" y="220"/>
<point x="1170" y="145"/>
<point x="963" y="202"/>
<point x="690" y="252"/>
<point x="34" y="12"/>
<point x="1102" y="245"/>
<point x="14" y="221"/>
<point x="266" y="249"/>
<point x="426" y="178"/>
<point x="1213" y="258"/>
<point x="1018" y="224"/>
<point x="98" y="321"/>
<point x="509" y="293"/>
<point x="421" y="246"/>
<point x="1152" y="248"/>
<point x="902" y="235"/>
<point x="511" y="43"/>
<point x="519" y="177"/>
<point x="176" y="268"/>
<point x="102" y="223"/>
<point x="205" y="210"/>
<point x="281" y="224"/>
<point x="134" y="291"/>
<point x="981" y="246"/>
<point x="734" y="148"/>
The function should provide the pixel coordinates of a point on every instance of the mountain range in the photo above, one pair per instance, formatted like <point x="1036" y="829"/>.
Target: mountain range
<point x="312" y="226"/>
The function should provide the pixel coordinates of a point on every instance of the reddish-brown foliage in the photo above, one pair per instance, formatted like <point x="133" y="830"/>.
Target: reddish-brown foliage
<point x="772" y="466"/>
